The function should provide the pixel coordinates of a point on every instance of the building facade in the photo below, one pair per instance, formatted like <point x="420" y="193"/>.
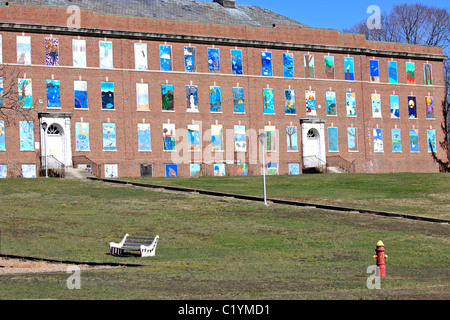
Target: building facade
<point x="185" y="88"/>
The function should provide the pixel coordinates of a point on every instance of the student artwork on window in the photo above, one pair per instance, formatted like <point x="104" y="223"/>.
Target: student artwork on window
<point x="242" y="169"/>
<point x="1" y="92"/>
<point x="25" y="90"/>
<point x="51" y="51"/>
<point x="330" y="100"/>
<point x="238" y="100"/>
<point x="288" y="65"/>
<point x="240" y="139"/>
<point x="272" y="169"/>
<point x="111" y="171"/>
<point x="165" y="57"/>
<point x="195" y="170"/>
<point x="107" y="89"/>
<point x="23" y="50"/>
<point x="26" y="132"/>
<point x="169" y="136"/>
<point x="79" y="53"/>
<point x="431" y="140"/>
<point x="428" y="73"/>
<point x="333" y="142"/>
<point x="350" y="103"/>
<point x="219" y="169"/>
<point x="213" y="60"/>
<point x="236" y="62"/>
<point x="374" y="71"/>
<point x="412" y="107"/>
<point x="310" y="97"/>
<point x="414" y="140"/>
<point x="410" y="73"/>
<point x="395" y="106"/>
<point x="53" y="94"/>
<point x="308" y="61"/>
<point x="144" y="137"/>
<point x="80" y="94"/>
<point x="194" y="137"/>
<point x="268" y="101"/>
<point x="82" y="136"/>
<point x="2" y="136"/>
<point x="376" y="105"/>
<point x="294" y="169"/>
<point x="396" y="140"/>
<point x="289" y="101"/>
<point x="1" y="49"/>
<point x="29" y="171"/>
<point x="171" y="170"/>
<point x="329" y="67"/>
<point x="271" y="138"/>
<point x="429" y="107"/>
<point x="291" y="138"/>
<point x="191" y="99"/>
<point x="378" y="140"/>
<point x="349" y="69"/>
<point x="3" y="171"/>
<point x="106" y="54"/>
<point x="167" y="97"/>
<point x="217" y="137"/>
<point x="392" y="72"/>
<point x="142" y="98"/>
<point x="109" y="137"/>
<point x="266" y="63"/>
<point x="215" y="99"/>
<point x="190" y="59"/>
<point x="352" y="138"/>
<point x="140" y="56"/>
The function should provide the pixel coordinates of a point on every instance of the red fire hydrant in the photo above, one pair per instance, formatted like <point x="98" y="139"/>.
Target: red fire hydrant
<point x="381" y="257"/>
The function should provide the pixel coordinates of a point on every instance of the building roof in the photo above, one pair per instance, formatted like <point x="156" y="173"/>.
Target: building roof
<point x="179" y="10"/>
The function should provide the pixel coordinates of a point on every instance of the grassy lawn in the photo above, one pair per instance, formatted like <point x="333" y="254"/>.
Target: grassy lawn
<point x="213" y="248"/>
<point x="410" y="193"/>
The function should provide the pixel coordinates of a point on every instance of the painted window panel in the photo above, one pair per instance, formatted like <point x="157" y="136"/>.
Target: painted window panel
<point x="431" y="140"/>
<point x="215" y="99"/>
<point x="410" y="73"/>
<point x="266" y="64"/>
<point x="392" y="72"/>
<point x="106" y="54"/>
<point x="26" y="132"/>
<point x="142" y="97"/>
<point x="240" y="138"/>
<point x="1" y="49"/>
<point x="190" y="59"/>
<point x="289" y="101"/>
<point x="333" y="141"/>
<point x="288" y="65"/>
<point x="376" y="105"/>
<point x="268" y="101"/>
<point x="217" y="137"/>
<point x="194" y="137"/>
<point x="272" y="169"/>
<point x="213" y="60"/>
<point x="111" y="171"/>
<point x="378" y="140"/>
<point x="238" y="100"/>
<point x="23" y="50"/>
<point x="308" y="62"/>
<point x="29" y="171"/>
<point x="171" y="170"/>
<point x="374" y="70"/>
<point x="428" y="73"/>
<point x="242" y="169"/>
<point x="82" y="136"/>
<point x="396" y="140"/>
<point x="350" y="102"/>
<point x="79" y="53"/>
<point x="107" y="90"/>
<point x="165" y="57"/>
<point x="352" y="139"/>
<point x="395" y="106"/>
<point x="236" y="62"/>
<point x="109" y="136"/>
<point x="53" y="94"/>
<point x="414" y="140"/>
<point x="412" y="107"/>
<point x="3" y="171"/>
<point x="311" y="107"/>
<point x="2" y="136"/>
<point x="191" y="98"/>
<point x="219" y="170"/>
<point x="51" y="51"/>
<point x="167" y="97"/>
<point x="144" y="137"/>
<point x="195" y="170"/>
<point x="80" y="94"/>
<point x="330" y="99"/>
<point x="291" y="138"/>
<point x="271" y="138"/>
<point x="429" y="107"/>
<point x="349" y="69"/>
<point x="140" y="56"/>
<point x="169" y="136"/>
<point x="294" y="169"/>
<point x="25" y="93"/>
<point x="329" y="67"/>
<point x="1" y="92"/>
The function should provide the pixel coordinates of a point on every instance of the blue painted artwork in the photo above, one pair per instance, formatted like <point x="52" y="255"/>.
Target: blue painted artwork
<point x="414" y="140"/>
<point x="190" y="59"/>
<point x="396" y="140"/>
<point x="236" y="62"/>
<point x="109" y="137"/>
<point x="26" y="136"/>
<point x="215" y="99"/>
<point x="374" y="71"/>
<point x="3" y="171"/>
<point x="378" y="140"/>
<point x="333" y="141"/>
<point x="349" y="69"/>
<point x="431" y="140"/>
<point x="53" y="94"/>
<point x="144" y="137"/>
<point x="395" y="108"/>
<point x="392" y="71"/>
<point x="268" y="101"/>
<point x="238" y="100"/>
<point x="107" y="89"/>
<point x="289" y="101"/>
<point x="213" y="60"/>
<point x="288" y="65"/>
<point x="294" y="169"/>
<point x="81" y="98"/>
<point x="266" y="64"/>
<point x="412" y="107"/>
<point x="82" y="136"/>
<point x="192" y="98"/>
<point x="171" y="170"/>
<point x="165" y="57"/>
<point x="2" y="135"/>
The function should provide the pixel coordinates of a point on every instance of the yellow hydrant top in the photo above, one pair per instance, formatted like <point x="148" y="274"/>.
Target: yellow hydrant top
<point x="380" y="244"/>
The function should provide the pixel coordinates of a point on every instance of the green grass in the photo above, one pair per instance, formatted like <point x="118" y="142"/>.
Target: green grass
<point x="420" y="194"/>
<point x="211" y="248"/>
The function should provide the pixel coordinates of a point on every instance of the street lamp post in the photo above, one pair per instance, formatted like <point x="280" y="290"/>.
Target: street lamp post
<point x="262" y="139"/>
<point x="44" y="126"/>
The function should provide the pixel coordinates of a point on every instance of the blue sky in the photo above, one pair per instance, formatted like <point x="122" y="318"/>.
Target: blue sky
<point x="334" y="14"/>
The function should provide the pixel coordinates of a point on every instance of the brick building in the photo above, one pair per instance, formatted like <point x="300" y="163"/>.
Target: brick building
<point x="179" y="87"/>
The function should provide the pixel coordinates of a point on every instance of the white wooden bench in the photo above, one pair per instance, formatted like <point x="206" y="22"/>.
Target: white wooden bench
<point x="145" y="245"/>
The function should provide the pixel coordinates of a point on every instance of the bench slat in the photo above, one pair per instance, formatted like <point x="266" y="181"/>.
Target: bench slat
<point x="137" y="237"/>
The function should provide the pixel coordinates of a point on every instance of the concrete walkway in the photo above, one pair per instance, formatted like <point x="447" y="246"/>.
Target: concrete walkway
<point x="74" y="173"/>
